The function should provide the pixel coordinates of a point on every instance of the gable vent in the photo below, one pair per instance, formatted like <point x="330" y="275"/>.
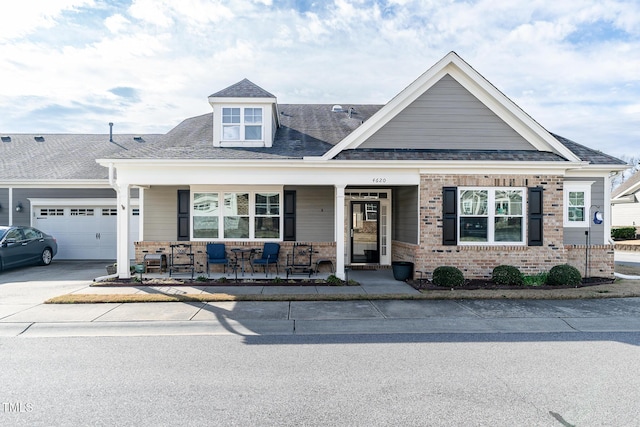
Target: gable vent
<point x="39" y="138"/>
<point x="6" y="138"/>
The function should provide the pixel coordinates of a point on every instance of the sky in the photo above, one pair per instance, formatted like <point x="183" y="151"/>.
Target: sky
<point x="73" y="66"/>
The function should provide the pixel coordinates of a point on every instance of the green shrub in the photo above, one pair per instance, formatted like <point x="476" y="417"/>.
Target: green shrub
<point x="623" y="233"/>
<point x="564" y="274"/>
<point x="507" y="275"/>
<point x="222" y="279"/>
<point x="334" y="280"/>
<point x="536" y="279"/>
<point x="277" y="280"/>
<point x="201" y="279"/>
<point x="448" y="276"/>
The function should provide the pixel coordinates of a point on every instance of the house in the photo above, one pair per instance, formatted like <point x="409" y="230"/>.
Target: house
<point x="52" y="182"/>
<point x="449" y="172"/>
<point x="625" y="204"/>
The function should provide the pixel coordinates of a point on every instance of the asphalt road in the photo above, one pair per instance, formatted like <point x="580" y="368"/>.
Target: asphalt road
<point x="575" y="379"/>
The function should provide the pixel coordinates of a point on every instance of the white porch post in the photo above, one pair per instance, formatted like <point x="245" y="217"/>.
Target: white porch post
<point x="339" y="232"/>
<point x="11" y="208"/>
<point x="123" y="230"/>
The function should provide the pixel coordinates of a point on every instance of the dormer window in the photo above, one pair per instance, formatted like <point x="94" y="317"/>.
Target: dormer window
<point x="242" y="124"/>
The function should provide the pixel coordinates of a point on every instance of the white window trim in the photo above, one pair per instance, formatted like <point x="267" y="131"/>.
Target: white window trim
<point x="572" y="186"/>
<point x="252" y="212"/>
<point x="242" y="125"/>
<point x="491" y="195"/>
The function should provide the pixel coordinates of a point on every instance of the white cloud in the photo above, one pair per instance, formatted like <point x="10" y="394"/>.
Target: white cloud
<point x="116" y="23"/>
<point x="27" y="16"/>
<point x="174" y="53"/>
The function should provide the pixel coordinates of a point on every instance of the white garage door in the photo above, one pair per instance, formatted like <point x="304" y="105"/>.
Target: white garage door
<point x="84" y="232"/>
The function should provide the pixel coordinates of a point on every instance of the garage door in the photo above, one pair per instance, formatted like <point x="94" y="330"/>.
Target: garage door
<point x="84" y="232"/>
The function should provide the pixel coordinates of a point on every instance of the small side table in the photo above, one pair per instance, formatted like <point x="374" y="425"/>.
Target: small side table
<point x="241" y="252"/>
<point x="155" y="261"/>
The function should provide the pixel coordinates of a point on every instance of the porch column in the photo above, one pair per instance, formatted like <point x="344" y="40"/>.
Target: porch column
<point x="123" y="207"/>
<point x="339" y="231"/>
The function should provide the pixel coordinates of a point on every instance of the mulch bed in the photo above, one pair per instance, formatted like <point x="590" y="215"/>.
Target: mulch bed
<point x="488" y="284"/>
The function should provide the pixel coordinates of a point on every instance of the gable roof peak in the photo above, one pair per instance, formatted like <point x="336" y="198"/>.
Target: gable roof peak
<point x="243" y="89"/>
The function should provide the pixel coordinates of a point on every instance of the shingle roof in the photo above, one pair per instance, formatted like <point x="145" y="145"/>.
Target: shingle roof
<point x="305" y="130"/>
<point x="587" y="154"/>
<point x="630" y="186"/>
<point x="242" y="89"/>
<point x="444" y="154"/>
<point x="61" y="156"/>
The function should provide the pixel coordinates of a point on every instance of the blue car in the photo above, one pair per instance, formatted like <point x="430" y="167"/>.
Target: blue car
<point x="24" y="246"/>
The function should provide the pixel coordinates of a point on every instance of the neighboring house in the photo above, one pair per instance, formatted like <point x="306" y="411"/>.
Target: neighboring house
<point x="449" y="172"/>
<point x="625" y="203"/>
<point x="52" y="182"/>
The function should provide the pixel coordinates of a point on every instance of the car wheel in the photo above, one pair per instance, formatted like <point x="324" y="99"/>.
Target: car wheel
<point x="46" y="257"/>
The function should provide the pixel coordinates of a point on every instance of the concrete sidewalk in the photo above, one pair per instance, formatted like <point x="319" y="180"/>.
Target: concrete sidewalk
<point x="24" y="314"/>
<point x="248" y="318"/>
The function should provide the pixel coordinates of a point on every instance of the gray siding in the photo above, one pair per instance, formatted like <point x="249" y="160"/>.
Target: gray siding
<point x="315" y="213"/>
<point x="576" y="235"/>
<point x="447" y="116"/>
<point x="405" y="214"/>
<point x="23" y="194"/>
<point x="4" y="206"/>
<point x="161" y="213"/>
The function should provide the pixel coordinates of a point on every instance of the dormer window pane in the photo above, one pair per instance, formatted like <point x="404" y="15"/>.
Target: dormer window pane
<point x="231" y="132"/>
<point x="231" y="115"/>
<point x="253" y="132"/>
<point x="253" y="115"/>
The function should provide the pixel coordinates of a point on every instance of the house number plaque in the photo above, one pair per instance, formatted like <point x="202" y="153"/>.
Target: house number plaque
<point x="379" y="180"/>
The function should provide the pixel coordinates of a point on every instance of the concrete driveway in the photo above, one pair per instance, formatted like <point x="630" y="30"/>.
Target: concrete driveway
<point x="28" y="286"/>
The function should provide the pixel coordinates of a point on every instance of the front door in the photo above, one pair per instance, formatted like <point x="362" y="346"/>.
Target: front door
<point x="365" y="226"/>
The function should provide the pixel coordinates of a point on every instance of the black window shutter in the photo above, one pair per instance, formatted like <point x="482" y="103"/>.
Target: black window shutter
<point x="289" y="215"/>
<point x="449" y="216"/>
<point x="535" y="216"/>
<point x="183" y="214"/>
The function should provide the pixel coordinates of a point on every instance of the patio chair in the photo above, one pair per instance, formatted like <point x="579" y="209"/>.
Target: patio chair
<point x="217" y="254"/>
<point x="268" y="256"/>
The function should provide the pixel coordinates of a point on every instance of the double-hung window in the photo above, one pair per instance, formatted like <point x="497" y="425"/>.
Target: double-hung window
<point x="491" y="215"/>
<point x="242" y="124"/>
<point x="577" y="201"/>
<point x="240" y="215"/>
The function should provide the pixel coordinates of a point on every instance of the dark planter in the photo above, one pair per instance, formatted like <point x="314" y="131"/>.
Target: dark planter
<point x="402" y="270"/>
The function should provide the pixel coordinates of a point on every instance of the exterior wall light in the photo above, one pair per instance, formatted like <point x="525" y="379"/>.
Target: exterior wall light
<point x="19" y="207"/>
